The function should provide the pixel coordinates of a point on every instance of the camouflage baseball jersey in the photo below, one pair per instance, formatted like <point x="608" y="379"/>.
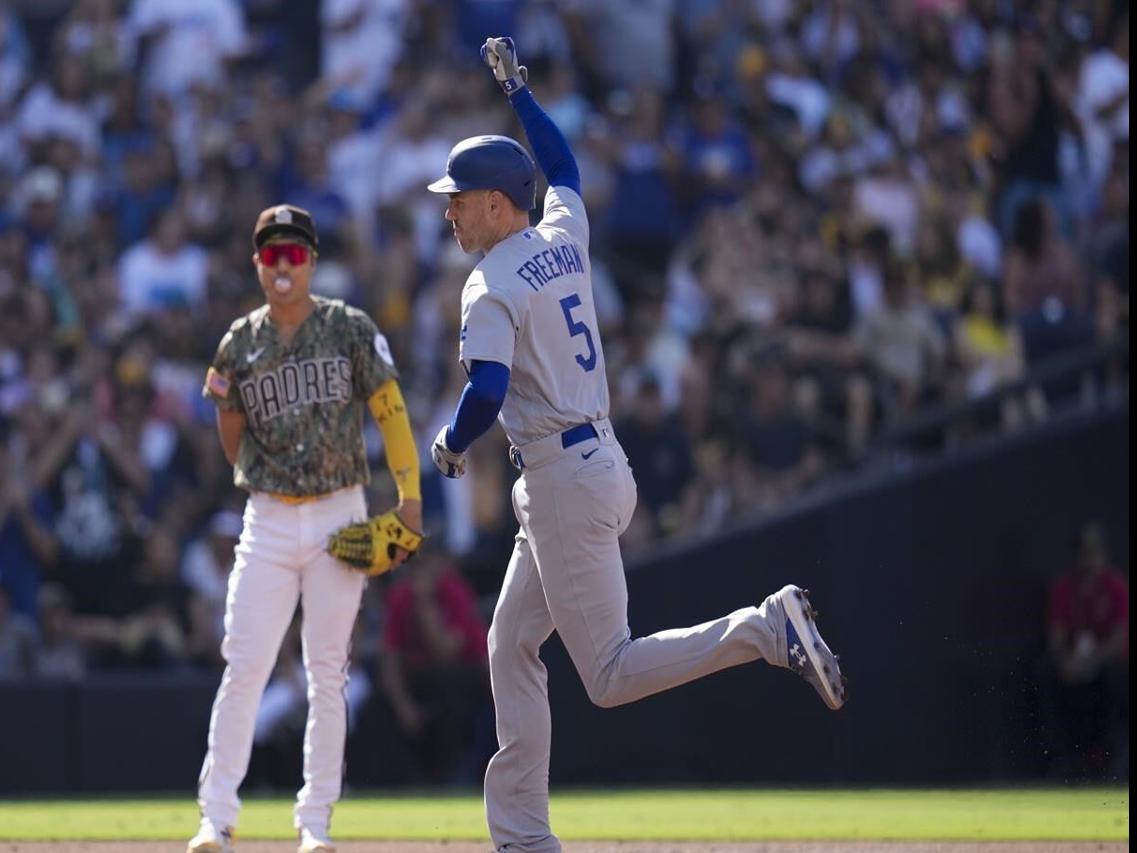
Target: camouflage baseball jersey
<point x="303" y="403"/>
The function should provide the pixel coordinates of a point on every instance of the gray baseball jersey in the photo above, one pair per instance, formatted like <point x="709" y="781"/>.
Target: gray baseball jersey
<point x="528" y="305"/>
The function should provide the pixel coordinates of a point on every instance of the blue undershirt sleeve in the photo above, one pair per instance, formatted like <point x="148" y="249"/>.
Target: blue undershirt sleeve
<point x="479" y="405"/>
<point x="549" y="145"/>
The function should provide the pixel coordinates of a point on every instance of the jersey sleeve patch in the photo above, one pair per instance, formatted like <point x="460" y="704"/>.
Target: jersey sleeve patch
<point x="216" y="384"/>
<point x="372" y="362"/>
<point x="383" y="349"/>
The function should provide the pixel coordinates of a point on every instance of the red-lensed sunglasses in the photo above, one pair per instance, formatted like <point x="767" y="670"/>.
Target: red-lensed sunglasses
<point x="295" y="253"/>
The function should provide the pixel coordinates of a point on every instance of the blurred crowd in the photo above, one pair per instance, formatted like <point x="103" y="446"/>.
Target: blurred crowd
<point x="811" y="221"/>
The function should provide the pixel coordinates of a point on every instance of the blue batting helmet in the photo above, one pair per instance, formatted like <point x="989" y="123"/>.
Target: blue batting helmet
<point x="490" y="163"/>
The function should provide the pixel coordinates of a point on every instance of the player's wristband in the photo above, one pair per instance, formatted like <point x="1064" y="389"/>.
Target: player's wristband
<point x="512" y="86"/>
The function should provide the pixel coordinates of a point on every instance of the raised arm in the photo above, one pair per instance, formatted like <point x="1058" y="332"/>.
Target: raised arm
<point x="550" y="147"/>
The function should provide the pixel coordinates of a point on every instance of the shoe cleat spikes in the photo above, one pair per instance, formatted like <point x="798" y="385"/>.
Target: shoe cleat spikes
<point x="808" y="654"/>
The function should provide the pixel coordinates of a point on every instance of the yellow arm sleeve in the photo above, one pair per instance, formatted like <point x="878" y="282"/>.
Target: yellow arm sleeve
<point x="390" y="412"/>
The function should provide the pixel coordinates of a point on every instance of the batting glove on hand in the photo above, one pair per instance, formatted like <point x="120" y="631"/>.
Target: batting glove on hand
<point x="501" y="55"/>
<point x="451" y="464"/>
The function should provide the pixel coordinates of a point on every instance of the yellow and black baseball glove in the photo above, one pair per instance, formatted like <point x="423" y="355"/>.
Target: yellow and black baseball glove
<point x="370" y="545"/>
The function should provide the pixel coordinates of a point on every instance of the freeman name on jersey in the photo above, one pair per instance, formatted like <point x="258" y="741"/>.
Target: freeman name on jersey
<point x="551" y="263"/>
<point x="293" y="384"/>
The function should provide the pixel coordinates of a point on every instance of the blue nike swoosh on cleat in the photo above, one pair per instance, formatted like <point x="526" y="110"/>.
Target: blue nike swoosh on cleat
<point x="589" y="453"/>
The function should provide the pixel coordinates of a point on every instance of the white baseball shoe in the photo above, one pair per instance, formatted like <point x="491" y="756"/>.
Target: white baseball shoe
<point x="314" y="842"/>
<point x="211" y="838"/>
<point x="807" y="654"/>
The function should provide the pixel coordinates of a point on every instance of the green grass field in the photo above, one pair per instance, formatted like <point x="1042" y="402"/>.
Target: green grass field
<point x="730" y="814"/>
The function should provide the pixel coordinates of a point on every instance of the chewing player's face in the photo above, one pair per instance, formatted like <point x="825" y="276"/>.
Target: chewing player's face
<point x="284" y="268"/>
<point x="467" y="212"/>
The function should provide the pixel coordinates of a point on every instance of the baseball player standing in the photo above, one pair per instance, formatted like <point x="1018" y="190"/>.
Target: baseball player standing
<point x="530" y="345"/>
<point x="290" y="381"/>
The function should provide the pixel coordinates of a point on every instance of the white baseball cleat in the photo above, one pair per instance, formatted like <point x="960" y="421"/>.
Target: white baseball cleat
<point x="314" y="842"/>
<point x="807" y="654"/>
<point x="211" y="838"/>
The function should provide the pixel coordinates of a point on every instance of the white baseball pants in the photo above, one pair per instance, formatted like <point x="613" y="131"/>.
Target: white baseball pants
<point x="566" y="574"/>
<point x="281" y="561"/>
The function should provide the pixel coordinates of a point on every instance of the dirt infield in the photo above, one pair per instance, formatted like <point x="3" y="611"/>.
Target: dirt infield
<point x="600" y="847"/>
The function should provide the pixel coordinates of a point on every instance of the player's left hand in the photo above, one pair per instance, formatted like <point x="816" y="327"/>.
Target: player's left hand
<point x="500" y="54"/>
<point x="377" y="545"/>
<point x="451" y="464"/>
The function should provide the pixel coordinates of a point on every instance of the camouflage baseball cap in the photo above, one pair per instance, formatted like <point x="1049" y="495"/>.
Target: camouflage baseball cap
<point x="284" y="219"/>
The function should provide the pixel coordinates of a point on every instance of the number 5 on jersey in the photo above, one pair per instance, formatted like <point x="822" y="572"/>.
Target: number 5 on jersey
<point x="575" y="328"/>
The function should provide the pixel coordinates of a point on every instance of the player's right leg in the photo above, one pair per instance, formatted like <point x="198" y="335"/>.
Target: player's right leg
<point x="264" y="588"/>
<point x="517" y="779"/>
<point x="331" y="592"/>
<point x="573" y="515"/>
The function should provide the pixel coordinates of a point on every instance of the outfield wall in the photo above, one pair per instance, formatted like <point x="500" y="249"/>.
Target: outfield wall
<point x="931" y="584"/>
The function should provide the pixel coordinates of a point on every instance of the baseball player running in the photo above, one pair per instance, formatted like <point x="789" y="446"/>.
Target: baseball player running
<point x="530" y="345"/>
<point x="290" y="381"/>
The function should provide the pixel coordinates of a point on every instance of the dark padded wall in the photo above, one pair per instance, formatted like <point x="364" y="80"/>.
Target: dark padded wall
<point x="931" y="584"/>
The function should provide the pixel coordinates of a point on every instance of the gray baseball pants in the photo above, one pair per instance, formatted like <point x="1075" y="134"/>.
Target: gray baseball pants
<point x="566" y="573"/>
